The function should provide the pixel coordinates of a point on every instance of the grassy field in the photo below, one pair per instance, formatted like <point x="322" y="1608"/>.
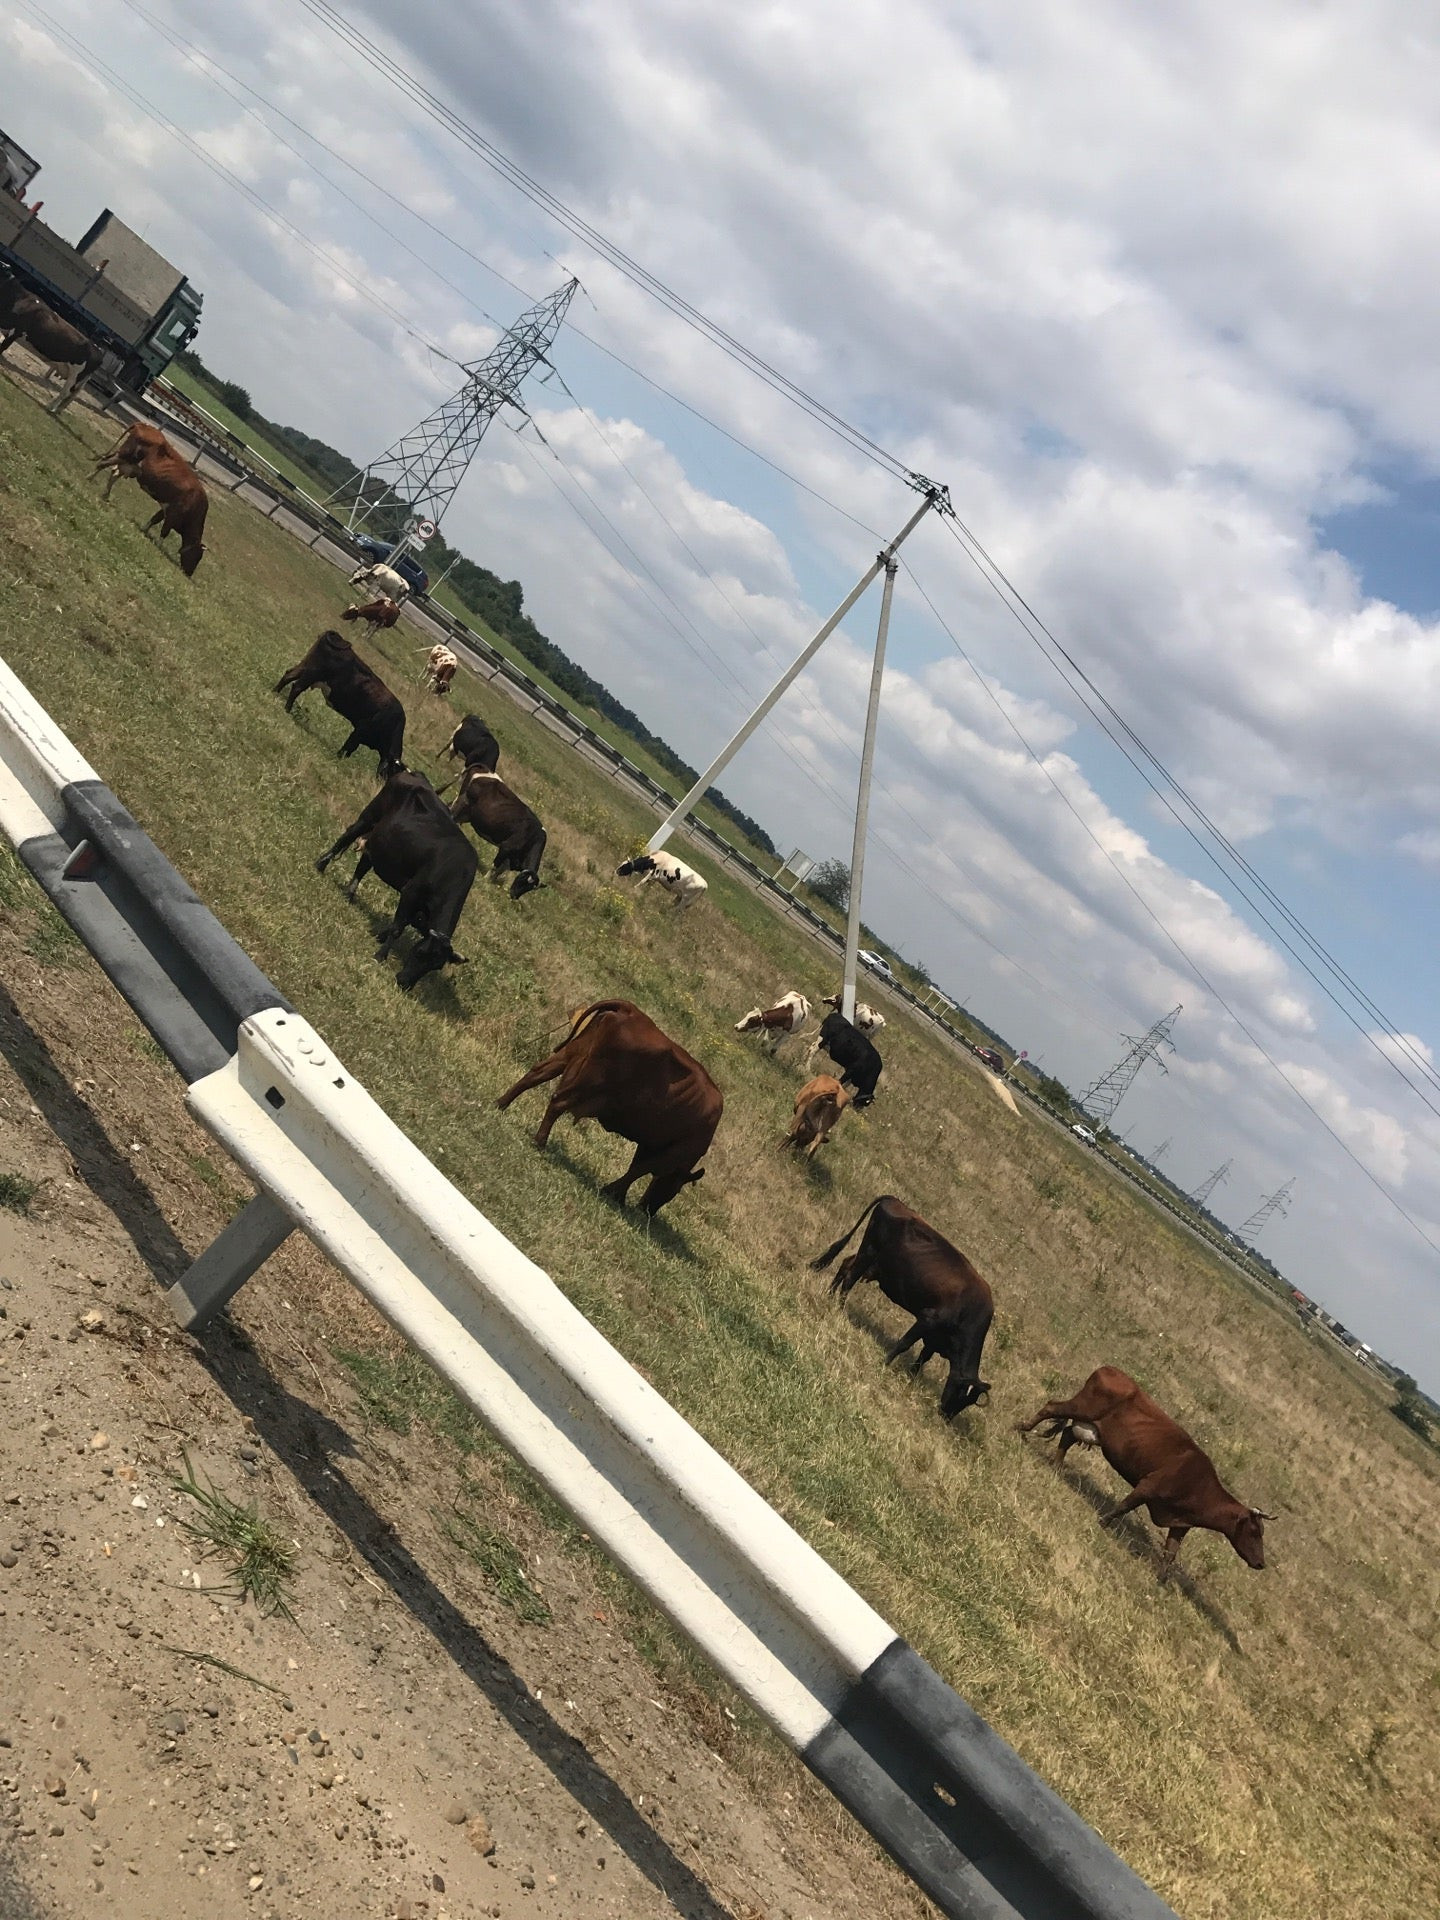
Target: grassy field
<point x="1261" y="1746"/>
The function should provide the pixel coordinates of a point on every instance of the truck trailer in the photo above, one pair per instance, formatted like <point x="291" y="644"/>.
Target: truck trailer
<point x="113" y="286"/>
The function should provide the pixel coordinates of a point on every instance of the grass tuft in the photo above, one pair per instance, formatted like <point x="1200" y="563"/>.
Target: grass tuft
<point x="499" y="1560"/>
<point x="16" y="1192"/>
<point x="260" y="1561"/>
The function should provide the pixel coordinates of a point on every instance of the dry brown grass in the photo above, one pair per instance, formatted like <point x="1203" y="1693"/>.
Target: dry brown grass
<point x="1258" y="1745"/>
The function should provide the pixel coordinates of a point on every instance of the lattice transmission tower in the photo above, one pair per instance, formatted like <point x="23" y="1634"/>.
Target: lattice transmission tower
<point x="1277" y="1202"/>
<point x="417" y="477"/>
<point x="1159" y="1152"/>
<point x="1208" y="1185"/>
<point x="1102" y="1098"/>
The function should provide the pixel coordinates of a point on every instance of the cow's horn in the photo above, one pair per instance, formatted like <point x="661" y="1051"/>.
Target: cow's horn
<point x="1259" y="1515"/>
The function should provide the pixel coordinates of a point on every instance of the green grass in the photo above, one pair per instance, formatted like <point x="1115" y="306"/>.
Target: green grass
<point x="16" y="1192"/>
<point x="1222" y="1733"/>
<point x="259" y="1561"/>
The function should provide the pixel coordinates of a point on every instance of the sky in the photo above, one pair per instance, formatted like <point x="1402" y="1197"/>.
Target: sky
<point x="1152" y="291"/>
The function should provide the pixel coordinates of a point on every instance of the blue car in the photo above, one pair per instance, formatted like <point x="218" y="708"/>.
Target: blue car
<point x="405" y="564"/>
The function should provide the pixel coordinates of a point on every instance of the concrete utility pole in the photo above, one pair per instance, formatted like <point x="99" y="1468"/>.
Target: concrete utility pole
<point x="862" y="804"/>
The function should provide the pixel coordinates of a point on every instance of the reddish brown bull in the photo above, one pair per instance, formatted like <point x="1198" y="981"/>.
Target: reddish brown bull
<point x="920" y="1271"/>
<point x="184" y="503"/>
<point x="1170" y="1476"/>
<point x="617" y="1067"/>
<point x="379" y="614"/>
<point x="136" y="439"/>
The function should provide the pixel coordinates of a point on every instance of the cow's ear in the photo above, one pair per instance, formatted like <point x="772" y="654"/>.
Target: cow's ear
<point x="698" y="1174"/>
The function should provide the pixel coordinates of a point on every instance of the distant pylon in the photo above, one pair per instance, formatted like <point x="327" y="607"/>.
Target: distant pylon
<point x="1101" y="1099"/>
<point x="1163" y="1148"/>
<point x="1277" y="1202"/>
<point x="1208" y="1185"/>
<point x="417" y="477"/>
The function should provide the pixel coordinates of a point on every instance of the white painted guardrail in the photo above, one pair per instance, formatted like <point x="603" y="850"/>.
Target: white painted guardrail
<point x="976" y="1830"/>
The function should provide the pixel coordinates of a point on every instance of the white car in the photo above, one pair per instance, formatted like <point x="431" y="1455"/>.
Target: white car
<point x="1085" y="1134"/>
<point x="876" y="964"/>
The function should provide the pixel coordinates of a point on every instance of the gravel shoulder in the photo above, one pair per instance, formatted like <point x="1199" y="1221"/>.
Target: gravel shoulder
<point x="407" y="1746"/>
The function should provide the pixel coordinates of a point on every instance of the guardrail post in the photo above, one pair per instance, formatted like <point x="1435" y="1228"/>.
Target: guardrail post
<point x="257" y="1231"/>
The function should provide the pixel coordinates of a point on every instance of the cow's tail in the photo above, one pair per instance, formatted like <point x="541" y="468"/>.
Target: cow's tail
<point x="819" y="1265"/>
<point x="581" y="1019"/>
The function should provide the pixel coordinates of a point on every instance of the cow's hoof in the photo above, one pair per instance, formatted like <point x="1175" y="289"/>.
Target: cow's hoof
<point x="321" y="864"/>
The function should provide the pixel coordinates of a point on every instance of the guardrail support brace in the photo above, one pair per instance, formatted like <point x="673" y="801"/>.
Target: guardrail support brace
<point x="256" y="1232"/>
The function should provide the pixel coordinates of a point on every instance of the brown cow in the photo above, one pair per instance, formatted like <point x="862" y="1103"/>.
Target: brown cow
<point x="377" y="719"/>
<point x="23" y="316"/>
<point x="169" y="478"/>
<point x="818" y="1107"/>
<point x="137" y="437"/>
<point x="617" y="1067"/>
<point x="500" y="816"/>
<point x="378" y="614"/>
<point x="920" y="1271"/>
<point x="1169" y="1474"/>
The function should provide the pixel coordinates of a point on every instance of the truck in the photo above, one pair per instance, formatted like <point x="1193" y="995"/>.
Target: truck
<point x="112" y="285"/>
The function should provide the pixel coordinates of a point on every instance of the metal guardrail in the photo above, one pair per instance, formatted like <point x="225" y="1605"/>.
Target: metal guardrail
<point x="975" y="1829"/>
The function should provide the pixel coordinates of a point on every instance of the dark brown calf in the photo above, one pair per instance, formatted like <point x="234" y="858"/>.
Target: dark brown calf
<point x="356" y="693"/>
<point x="920" y="1271"/>
<point x="25" y="317"/>
<point x="1168" y="1473"/>
<point x="617" y="1067"/>
<point x="485" y="803"/>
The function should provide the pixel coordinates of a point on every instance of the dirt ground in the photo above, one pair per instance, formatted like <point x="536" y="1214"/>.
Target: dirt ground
<point x="406" y="1746"/>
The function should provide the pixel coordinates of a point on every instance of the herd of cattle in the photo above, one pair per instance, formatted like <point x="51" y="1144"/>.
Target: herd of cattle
<point x="615" y="1065"/>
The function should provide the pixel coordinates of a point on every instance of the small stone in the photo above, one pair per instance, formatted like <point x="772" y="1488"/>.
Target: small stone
<point x="140" y="1501"/>
<point x="87" y="1807"/>
<point x="527" y="1880"/>
<point x="552" y="1880"/>
<point x="9" y="1559"/>
<point x="99" y="1442"/>
<point x="255" y="1882"/>
<point x="56" y="1830"/>
<point x="92" y="1321"/>
<point x="55" y="1786"/>
<point x="326" y="1779"/>
<point x="174" y="1723"/>
<point x="437" y="1882"/>
<point x="456" y="1814"/>
<point x="249" y="1453"/>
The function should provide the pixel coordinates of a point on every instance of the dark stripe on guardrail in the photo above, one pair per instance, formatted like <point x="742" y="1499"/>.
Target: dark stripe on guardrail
<point x="188" y="980"/>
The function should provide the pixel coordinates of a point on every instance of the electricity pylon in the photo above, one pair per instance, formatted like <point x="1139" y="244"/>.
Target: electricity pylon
<point x="1102" y="1098"/>
<point x="1277" y="1202"/>
<point x="417" y="477"/>
<point x="1208" y="1185"/>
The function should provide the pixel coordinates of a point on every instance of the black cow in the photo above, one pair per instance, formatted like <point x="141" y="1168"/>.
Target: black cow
<point x="474" y="745"/>
<point x="857" y="1057"/>
<point x="485" y="803"/>
<point x="416" y="848"/>
<point x="357" y="694"/>
<point x="919" y="1270"/>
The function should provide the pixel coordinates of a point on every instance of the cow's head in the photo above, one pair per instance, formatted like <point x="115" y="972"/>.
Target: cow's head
<point x="190" y="557"/>
<point x="429" y="953"/>
<point x="960" y="1394"/>
<point x="1247" y="1536"/>
<point x="642" y="863"/>
<point x="525" y="882"/>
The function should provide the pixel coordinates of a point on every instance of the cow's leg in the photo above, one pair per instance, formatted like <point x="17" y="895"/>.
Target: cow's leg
<point x="350" y="745"/>
<point x="347" y="839"/>
<point x="617" y="1190"/>
<point x="542" y="1071"/>
<point x="558" y="1108"/>
<point x="1173" y="1539"/>
<point x="1136" y="1497"/>
<point x="1059" y="1412"/>
<point x="153" y="521"/>
<point x="362" y="867"/>
<point x="67" y="392"/>
<point x="904" y="1344"/>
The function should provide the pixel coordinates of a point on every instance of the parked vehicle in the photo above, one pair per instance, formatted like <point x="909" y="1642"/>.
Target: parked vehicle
<point x="113" y="286"/>
<point x="405" y="564"/>
<point x="992" y="1059"/>
<point x="877" y="964"/>
<point x="1085" y="1134"/>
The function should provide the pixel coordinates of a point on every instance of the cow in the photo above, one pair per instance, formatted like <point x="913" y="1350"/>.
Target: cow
<point x="378" y="578"/>
<point x="818" y="1107"/>
<point x="867" y="1019"/>
<point x="1169" y="1475"/>
<point x="920" y="1271"/>
<point x="25" y="317"/>
<point x="485" y="803"/>
<point x="473" y="744"/>
<point x="857" y="1058"/>
<point x="379" y="614"/>
<point x="138" y="438"/>
<point x="787" y="1016"/>
<point x="686" y="885"/>
<point x="169" y="478"/>
<point x="617" y="1067"/>
<point x="377" y="719"/>
<point x="416" y="848"/>
<point x="439" y="669"/>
